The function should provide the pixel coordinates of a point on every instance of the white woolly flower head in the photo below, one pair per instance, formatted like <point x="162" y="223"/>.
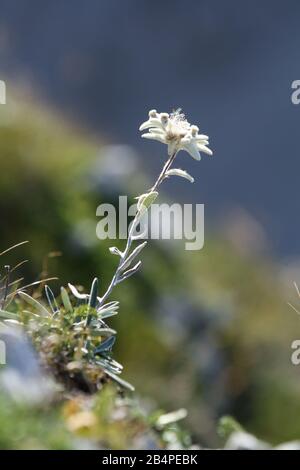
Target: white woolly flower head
<point x="176" y="132"/>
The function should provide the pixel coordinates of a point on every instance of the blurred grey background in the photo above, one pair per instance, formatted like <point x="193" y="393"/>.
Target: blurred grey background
<point x="229" y="65"/>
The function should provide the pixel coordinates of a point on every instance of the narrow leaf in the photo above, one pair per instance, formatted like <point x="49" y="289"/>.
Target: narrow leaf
<point x="106" y="345"/>
<point x="133" y="255"/>
<point x="66" y="299"/>
<point x="182" y="173"/>
<point x="30" y="300"/>
<point x="109" y="365"/>
<point x="120" y="381"/>
<point x="36" y="283"/>
<point x="108" y="314"/>
<point x="8" y="315"/>
<point x="93" y="294"/>
<point x="108" y="309"/>
<point x="115" y="251"/>
<point x="51" y="299"/>
<point x="11" y="322"/>
<point x="103" y="332"/>
<point x="76" y="293"/>
<point x="130" y="272"/>
<point x="170" y="418"/>
<point x="109" y="305"/>
<point x="145" y="201"/>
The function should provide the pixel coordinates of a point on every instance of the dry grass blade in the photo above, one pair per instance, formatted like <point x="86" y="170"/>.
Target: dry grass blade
<point x="17" y="266"/>
<point x="17" y="281"/>
<point x="13" y="247"/>
<point x="36" y="283"/>
<point x="6" y="287"/>
<point x="293" y="307"/>
<point x="297" y="288"/>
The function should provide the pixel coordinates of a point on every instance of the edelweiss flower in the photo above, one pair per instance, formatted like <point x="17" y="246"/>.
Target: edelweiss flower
<point x="175" y="131"/>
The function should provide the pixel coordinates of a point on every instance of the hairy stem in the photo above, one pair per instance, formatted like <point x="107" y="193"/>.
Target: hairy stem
<point x="134" y="223"/>
<point x="163" y="172"/>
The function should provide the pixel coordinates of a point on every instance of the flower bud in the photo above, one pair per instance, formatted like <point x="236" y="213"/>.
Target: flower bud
<point x="194" y="130"/>
<point x="164" y="117"/>
<point x="152" y="113"/>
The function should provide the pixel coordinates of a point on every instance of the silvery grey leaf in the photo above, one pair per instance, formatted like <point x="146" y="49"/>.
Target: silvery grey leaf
<point x="8" y="315"/>
<point x="105" y="345"/>
<point x="129" y="273"/>
<point x="51" y="300"/>
<point x="108" y="309"/>
<point x="66" y="299"/>
<point x="115" y="251"/>
<point x="76" y="293"/>
<point x="182" y="173"/>
<point x="93" y="294"/>
<point x="30" y="300"/>
<point x="133" y="255"/>
<point x="145" y="201"/>
<point x="108" y="314"/>
<point x="103" y="332"/>
<point x="120" y="381"/>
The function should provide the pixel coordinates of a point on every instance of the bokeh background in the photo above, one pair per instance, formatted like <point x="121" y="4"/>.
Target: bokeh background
<point x="209" y="331"/>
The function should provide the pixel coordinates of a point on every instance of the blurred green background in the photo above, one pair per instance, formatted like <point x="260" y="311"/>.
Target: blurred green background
<point x="209" y="331"/>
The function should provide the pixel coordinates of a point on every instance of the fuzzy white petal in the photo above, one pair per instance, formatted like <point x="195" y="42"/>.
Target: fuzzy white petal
<point x="187" y="139"/>
<point x="152" y="122"/>
<point x="172" y="148"/>
<point x="157" y="130"/>
<point x="204" y="149"/>
<point x="202" y="142"/>
<point x="153" y="136"/>
<point x="192" y="149"/>
<point x="202" y="136"/>
<point x="175" y="131"/>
